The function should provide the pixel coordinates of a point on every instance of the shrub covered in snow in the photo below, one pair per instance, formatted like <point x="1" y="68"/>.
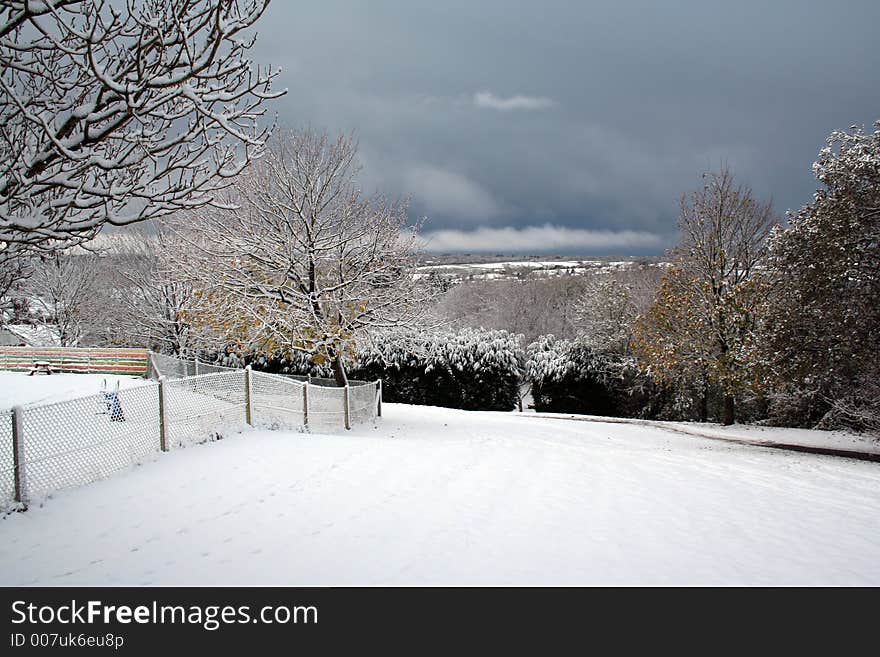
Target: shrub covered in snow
<point x="569" y="377"/>
<point x="472" y="369"/>
<point x="573" y="377"/>
<point x="295" y="363"/>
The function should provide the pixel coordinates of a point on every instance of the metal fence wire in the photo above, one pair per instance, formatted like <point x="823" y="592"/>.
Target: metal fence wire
<point x="204" y="407"/>
<point x="7" y="464"/>
<point x="78" y="441"/>
<point x="75" y="442"/>
<point x="277" y="402"/>
<point x="172" y="367"/>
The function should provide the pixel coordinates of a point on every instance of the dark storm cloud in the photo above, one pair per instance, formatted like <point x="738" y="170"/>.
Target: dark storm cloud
<point x="574" y="121"/>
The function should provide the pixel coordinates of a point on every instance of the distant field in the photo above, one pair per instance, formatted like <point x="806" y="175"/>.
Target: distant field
<point x="475" y="268"/>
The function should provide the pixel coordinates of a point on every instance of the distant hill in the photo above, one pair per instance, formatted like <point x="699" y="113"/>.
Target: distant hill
<point x="457" y="267"/>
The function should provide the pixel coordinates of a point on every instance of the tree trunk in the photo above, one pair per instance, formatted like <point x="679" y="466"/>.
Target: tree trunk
<point x="704" y="404"/>
<point x="339" y="372"/>
<point x="729" y="410"/>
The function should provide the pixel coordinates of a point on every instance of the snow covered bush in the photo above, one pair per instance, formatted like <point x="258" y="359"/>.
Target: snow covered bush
<point x="574" y="377"/>
<point x="295" y="363"/>
<point x="570" y="377"/>
<point x="472" y="369"/>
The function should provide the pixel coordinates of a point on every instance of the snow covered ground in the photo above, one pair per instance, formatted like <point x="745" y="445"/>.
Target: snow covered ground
<point x="19" y="388"/>
<point x="438" y="496"/>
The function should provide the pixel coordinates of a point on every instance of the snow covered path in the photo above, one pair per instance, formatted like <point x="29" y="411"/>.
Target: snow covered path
<point x="437" y="496"/>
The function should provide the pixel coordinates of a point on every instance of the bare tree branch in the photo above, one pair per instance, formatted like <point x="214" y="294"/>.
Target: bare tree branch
<point x="306" y="263"/>
<point x="113" y="113"/>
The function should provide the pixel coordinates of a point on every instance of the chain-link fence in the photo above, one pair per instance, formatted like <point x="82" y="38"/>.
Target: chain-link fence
<point x="47" y="447"/>
<point x="289" y="399"/>
<point x="7" y="462"/>
<point x="74" y="442"/>
<point x="201" y="408"/>
<point x="178" y="368"/>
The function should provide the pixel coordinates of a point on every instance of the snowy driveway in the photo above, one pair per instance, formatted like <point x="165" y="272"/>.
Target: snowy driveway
<point x="436" y="496"/>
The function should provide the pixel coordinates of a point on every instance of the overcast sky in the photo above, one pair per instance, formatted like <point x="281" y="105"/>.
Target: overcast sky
<point x="564" y="126"/>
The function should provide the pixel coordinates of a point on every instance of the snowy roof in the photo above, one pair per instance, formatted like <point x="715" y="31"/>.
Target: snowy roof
<point x="38" y="335"/>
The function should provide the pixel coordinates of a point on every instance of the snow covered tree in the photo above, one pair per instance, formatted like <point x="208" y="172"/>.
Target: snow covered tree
<point x="151" y="300"/>
<point x="820" y="337"/>
<point x="705" y="309"/>
<point x="610" y="304"/>
<point x="116" y="112"/>
<point x="68" y="285"/>
<point x="531" y="307"/>
<point x="12" y="273"/>
<point x="306" y="263"/>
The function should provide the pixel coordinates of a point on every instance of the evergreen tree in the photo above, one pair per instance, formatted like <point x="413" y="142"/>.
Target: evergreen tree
<point x="820" y="337"/>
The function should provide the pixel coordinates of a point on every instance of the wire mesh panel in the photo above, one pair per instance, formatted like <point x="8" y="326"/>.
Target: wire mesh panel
<point x="75" y="442"/>
<point x="320" y="381"/>
<point x="172" y="367"/>
<point x="205" y="368"/>
<point x="326" y="408"/>
<point x="276" y="401"/>
<point x="205" y="407"/>
<point x="362" y="402"/>
<point x="7" y="464"/>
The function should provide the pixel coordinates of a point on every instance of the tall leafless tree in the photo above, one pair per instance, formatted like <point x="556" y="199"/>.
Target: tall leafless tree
<point x="113" y="112"/>
<point x="530" y="307"/>
<point x="307" y="263"/>
<point x="68" y="284"/>
<point x="706" y="303"/>
<point x="151" y="301"/>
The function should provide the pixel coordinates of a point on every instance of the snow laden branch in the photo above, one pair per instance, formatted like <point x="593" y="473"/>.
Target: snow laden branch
<point x="306" y="263"/>
<point x="116" y="112"/>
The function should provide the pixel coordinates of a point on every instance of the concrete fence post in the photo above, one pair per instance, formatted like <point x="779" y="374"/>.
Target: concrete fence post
<point x="163" y="416"/>
<point x="248" y="409"/>
<point x="306" y="404"/>
<point x="379" y="398"/>
<point x="346" y="402"/>
<point x="196" y="365"/>
<point x="18" y="458"/>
